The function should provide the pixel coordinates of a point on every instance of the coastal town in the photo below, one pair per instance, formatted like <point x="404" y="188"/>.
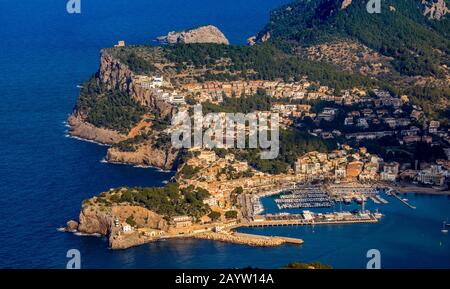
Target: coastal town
<point x="349" y="173"/>
<point x="225" y="144"/>
<point x="354" y="116"/>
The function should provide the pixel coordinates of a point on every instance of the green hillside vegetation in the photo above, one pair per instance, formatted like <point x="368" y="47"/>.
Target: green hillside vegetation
<point x="112" y="109"/>
<point x="293" y="143"/>
<point x="264" y="61"/>
<point x="168" y="201"/>
<point x="130" y="145"/>
<point x="433" y="100"/>
<point x="417" y="44"/>
<point x="245" y="104"/>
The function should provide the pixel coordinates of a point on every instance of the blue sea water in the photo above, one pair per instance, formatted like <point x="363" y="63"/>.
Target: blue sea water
<point x="44" y="175"/>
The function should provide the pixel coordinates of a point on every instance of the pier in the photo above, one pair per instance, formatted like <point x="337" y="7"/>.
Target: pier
<point x="394" y="194"/>
<point x="378" y="200"/>
<point x="310" y="218"/>
<point x="306" y="223"/>
<point x="288" y="240"/>
<point x="248" y="239"/>
<point x="312" y="197"/>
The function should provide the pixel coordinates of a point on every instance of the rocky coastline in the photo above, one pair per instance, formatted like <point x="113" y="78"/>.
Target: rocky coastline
<point x="146" y="155"/>
<point x="203" y="34"/>
<point x="101" y="220"/>
<point x="81" y="129"/>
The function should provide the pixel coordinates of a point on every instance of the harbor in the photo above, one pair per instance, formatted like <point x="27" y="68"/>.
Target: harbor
<point x="311" y="205"/>
<point x="403" y="200"/>
<point x="304" y="198"/>
<point x="311" y="218"/>
<point x="309" y="199"/>
<point x="248" y="239"/>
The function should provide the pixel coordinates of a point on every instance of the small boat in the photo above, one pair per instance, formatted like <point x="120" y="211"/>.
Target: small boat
<point x="378" y="215"/>
<point x="359" y="200"/>
<point x="444" y="230"/>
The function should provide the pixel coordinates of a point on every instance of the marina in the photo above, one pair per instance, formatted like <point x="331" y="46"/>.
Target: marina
<point x="378" y="200"/>
<point x="304" y="198"/>
<point x="311" y="198"/>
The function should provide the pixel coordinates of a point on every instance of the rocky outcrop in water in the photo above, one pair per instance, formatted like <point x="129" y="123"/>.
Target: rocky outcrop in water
<point x="204" y="34"/>
<point x="71" y="226"/>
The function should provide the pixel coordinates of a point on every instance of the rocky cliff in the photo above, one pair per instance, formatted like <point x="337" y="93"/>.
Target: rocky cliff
<point x="113" y="74"/>
<point x="204" y="34"/>
<point x="94" y="220"/>
<point x="82" y="129"/>
<point x="99" y="219"/>
<point x="146" y="155"/>
<point x="435" y="9"/>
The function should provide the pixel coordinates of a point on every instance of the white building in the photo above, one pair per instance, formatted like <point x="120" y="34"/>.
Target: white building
<point x="435" y="175"/>
<point x="127" y="228"/>
<point x="390" y="172"/>
<point x="158" y="81"/>
<point x="177" y="99"/>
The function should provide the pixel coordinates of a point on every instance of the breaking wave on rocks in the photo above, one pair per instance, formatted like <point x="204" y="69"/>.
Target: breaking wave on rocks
<point x="68" y="135"/>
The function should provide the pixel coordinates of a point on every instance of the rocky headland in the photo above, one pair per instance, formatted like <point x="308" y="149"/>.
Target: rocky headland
<point x="114" y="76"/>
<point x="145" y="155"/>
<point x="101" y="220"/>
<point x="203" y="34"/>
<point x="85" y="130"/>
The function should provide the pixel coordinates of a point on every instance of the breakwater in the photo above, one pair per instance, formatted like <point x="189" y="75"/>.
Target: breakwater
<point x="248" y="239"/>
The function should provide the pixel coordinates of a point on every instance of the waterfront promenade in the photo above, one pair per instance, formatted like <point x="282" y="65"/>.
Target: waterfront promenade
<point x="299" y="222"/>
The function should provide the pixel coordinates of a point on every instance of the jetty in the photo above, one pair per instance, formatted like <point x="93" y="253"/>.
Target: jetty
<point x="248" y="239"/>
<point x="310" y="218"/>
<point x="394" y="194"/>
<point x="288" y="240"/>
<point x="310" y="223"/>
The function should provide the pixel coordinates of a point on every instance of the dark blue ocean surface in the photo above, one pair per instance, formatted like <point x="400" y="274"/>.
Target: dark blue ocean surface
<point x="44" y="176"/>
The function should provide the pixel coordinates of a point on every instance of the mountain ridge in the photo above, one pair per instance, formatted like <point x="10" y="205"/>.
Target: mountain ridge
<point x="419" y="45"/>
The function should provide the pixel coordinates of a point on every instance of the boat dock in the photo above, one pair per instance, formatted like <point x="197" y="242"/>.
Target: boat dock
<point x="305" y="223"/>
<point x="394" y="194"/>
<point x="312" y="197"/>
<point x="375" y="200"/>
<point x="295" y="241"/>
<point x="382" y="200"/>
<point x="310" y="218"/>
<point x="378" y="200"/>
